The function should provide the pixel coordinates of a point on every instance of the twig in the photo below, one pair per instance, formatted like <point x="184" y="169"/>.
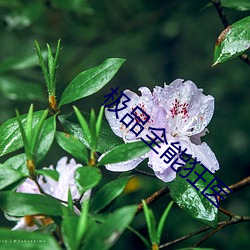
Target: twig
<point x="204" y="229"/>
<point x="234" y="220"/>
<point x="240" y="185"/>
<point x="221" y="225"/>
<point x="152" y="198"/>
<point x="144" y="173"/>
<point x="226" y="23"/>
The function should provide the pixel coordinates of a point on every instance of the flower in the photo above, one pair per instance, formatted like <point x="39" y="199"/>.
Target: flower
<point x="182" y="111"/>
<point x="58" y="189"/>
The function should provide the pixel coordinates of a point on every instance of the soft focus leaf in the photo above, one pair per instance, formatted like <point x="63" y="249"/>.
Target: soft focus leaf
<point x="10" y="136"/>
<point x="233" y="41"/>
<point x="19" y="63"/>
<point x="78" y="6"/>
<point x="107" y="138"/>
<point x="19" y="90"/>
<point x="90" y="81"/>
<point x="69" y="230"/>
<point x="16" y="240"/>
<point x="105" y="235"/>
<point x="73" y="146"/>
<point x="125" y="152"/>
<point x="108" y="193"/>
<point x="9" y="176"/>
<point x="191" y="200"/>
<point x="241" y="5"/>
<point x="87" y="177"/>
<point x="20" y="204"/>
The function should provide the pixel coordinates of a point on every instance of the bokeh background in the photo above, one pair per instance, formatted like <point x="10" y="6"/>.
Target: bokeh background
<point x="161" y="41"/>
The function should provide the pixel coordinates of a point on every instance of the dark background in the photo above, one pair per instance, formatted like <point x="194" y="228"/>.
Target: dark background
<point x="161" y="41"/>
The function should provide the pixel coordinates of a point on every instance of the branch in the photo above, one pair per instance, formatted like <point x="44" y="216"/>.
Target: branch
<point x="226" y="23"/>
<point x="240" y="185"/>
<point x="221" y="225"/>
<point x="235" y="220"/>
<point x="152" y="198"/>
<point x="144" y="173"/>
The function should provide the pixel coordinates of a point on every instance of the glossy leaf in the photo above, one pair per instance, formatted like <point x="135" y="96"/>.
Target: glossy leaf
<point x="105" y="235"/>
<point x="10" y="136"/>
<point x="16" y="240"/>
<point x="233" y="41"/>
<point x="87" y="177"/>
<point x="125" y="152"/>
<point x="18" y="162"/>
<point x="53" y="174"/>
<point x="191" y="200"/>
<point x="241" y="5"/>
<point x="19" y="90"/>
<point x="108" y="193"/>
<point x="90" y="81"/>
<point x="107" y="138"/>
<point x="73" y="146"/>
<point x="8" y="176"/>
<point x="46" y="138"/>
<point x="20" y="204"/>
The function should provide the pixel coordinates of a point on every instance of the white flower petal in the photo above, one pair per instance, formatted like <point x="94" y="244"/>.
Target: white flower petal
<point x="203" y="153"/>
<point x="21" y="225"/>
<point x="29" y="187"/>
<point x="126" y="165"/>
<point x="188" y="110"/>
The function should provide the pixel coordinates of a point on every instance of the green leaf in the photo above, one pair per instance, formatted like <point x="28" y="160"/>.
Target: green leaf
<point x="151" y="223"/>
<point x="73" y="146"/>
<point x="87" y="177"/>
<point x="108" y="193"/>
<point x="241" y="5"/>
<point x="233" y="41"/>
<point x="162" y="221"/>
<point x="20" y="204"/>
<point x="99" y="122"/>
<point x="105" y="235"/>
<point x="8" y="176"/>
<point x="18" y="162"/>
<point x="53" y="174"/>
<point x="191" y="200"/>
<point x="107" y="138"/>
<point x="16" y="240"/>
<point x="10" y="136"/>
<point x="19" y="63"/>
<point x="84" y="125"/>
<point x="46" y="137"/>
<point x="143" y="239"/>
<point x="19" y="90"/>
<point x="78" y="6"/>
<point x="82" y="223"/>
<point x="125" y="152"/>
<point x="69" y="230"/>
<point x="90" y="81"/>
<point x="92" y="127"/>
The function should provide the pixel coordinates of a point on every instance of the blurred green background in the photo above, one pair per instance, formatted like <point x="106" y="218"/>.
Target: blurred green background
<point x="161" y="41"/>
